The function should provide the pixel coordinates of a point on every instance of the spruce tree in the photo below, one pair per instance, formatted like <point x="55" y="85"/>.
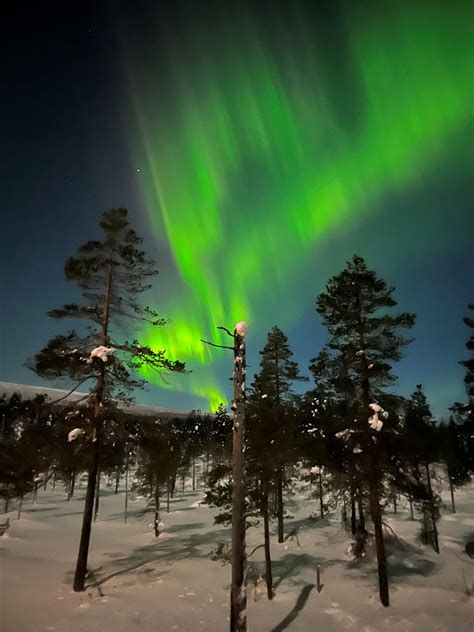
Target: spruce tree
<point x="111" y="274"/>
<point x="353" y="309"/>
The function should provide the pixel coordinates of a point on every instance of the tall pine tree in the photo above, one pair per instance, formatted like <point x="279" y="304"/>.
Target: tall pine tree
<point x="354" y="310"/>
<point x="111" y="275"/>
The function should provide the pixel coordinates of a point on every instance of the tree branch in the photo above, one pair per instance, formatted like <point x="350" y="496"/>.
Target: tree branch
<point x="207" y="342"/>
<point x="227" y="331"/>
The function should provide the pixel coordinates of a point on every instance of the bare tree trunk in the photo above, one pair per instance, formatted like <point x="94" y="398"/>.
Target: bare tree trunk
<point x="281" y="529"/>
<point x="117" y="480"/>
<point x="20" y="506"/>
<point x="379" y="542"/>
<point x="321" y="504"/>
<point x="194" y="475"/>
<point x="6" y="505"/>
<point x="395" y="504"/>
<point x="173" y="481"/>
<point x="97" y="494"/>
<point x="360" y="507"/>
<point x="183" y="480"/>
<point x="353" y="512"/>
<point x="266" y="534"/>
<point x="168" y="492"/>
<point x="238" y="597"/>
<point x="432" y="511"/>
<point x="451" y="489"/>
<point x="45" y="482"/>
<point x="410" y="500"/>
<point x="54" y="479"/>
<point x="72" y="484"/>
<point x="126" y="489"/>
<point x="156" y="523"/>
<point x="83" y="554"/>
<point x="35" y="493"/>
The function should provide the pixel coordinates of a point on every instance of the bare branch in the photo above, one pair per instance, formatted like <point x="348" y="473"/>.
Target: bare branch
<point x="227" y="331"/>
<point x="207" y="342"/>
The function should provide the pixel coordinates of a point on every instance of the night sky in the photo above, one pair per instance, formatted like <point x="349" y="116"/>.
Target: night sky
<point x="257" y="146"/>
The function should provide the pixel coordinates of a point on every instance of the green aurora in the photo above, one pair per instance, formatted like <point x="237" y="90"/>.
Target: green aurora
<point x="267" y="139"/>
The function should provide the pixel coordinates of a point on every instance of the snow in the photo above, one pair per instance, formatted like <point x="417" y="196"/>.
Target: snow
<point x="170" y="583"/>
<point x="241" y="328"/>
<point x="75" y="434"/>
<point x="374" y="421"/>
<point x="102" y="353"/>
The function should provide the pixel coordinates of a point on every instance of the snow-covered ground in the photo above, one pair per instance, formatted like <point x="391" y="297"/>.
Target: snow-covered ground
<point x="170" y="583"/>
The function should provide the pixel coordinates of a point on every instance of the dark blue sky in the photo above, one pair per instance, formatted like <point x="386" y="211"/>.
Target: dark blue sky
<point x="67" y="156"/>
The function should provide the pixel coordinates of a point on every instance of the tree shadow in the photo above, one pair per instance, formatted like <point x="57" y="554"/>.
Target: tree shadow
<point x="297" y="608"/>
<point x="151" y="558"/>
<point x="290" y="567"/>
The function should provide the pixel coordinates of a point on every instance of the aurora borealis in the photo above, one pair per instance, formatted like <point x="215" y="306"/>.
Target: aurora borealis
<point x="271" y="138"/>
<point x="258" y="145"/>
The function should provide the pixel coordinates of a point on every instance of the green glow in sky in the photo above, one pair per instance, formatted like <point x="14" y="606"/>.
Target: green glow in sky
<point x="258" y="146"/>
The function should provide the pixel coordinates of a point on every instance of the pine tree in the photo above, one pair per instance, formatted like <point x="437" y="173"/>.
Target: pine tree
<point x="273" y="386"/>
<point x="464" y="413"/>
<point x="353" y="309"/>
<point x="111" y="274"/>
<point x="423" y="445"/>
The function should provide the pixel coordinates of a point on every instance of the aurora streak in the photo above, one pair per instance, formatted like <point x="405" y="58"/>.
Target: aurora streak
<point x="263" y="143"/>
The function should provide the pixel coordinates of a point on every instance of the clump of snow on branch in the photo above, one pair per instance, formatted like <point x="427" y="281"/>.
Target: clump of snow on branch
<point x="374" y="421"/>
<point x="315" y="470"/>
<point x="101" y="352"/>
<point x="75" y="434"/>
<point x="241" y="328"/>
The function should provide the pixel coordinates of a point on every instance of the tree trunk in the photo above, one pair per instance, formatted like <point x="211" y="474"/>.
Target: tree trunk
<point x="194" y="475"/>
<point x="238" y="596"/>
<point x="6" y="505"/>
<point x="168" y="493"/>
<point x="281" y="534"/>
<point x="72" y="484"/>
<point x="54" y="480"/>
<point x="410" y="500"/>
<point x="173" y="482"/>
<point x="321" y="504"/>
<point x="156" y="523"/>
<point x="451" y="489"/>
<point x="81" y="566"/>
<point x="126" y="490"/>
<point x="97" y="494"/>
<point x="395" y="504"/>
<point x="45" y="482"/>
<point x="353" y="512"/>
<point x="183" y="480"/>
<point x="266" y="534"/>
<point x="432" y="511"/>
<point x="117" y="480"/>
<point x="35" y="493"/>
<point x="379" y="542"/>
<point x="360" y="508"/>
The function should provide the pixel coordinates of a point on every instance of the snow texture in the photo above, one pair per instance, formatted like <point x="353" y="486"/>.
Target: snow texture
<point x="374" y="421"/>
<point x="101" y="352"/>
<point x="241" y="328"/>
<point x="75" y="434"/>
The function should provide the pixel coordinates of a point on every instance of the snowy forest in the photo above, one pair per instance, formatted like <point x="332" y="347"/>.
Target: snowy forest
<point x="306" y="503"/>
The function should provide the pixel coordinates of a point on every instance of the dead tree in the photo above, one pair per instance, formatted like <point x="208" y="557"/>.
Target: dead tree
<point x="238" y="595"/>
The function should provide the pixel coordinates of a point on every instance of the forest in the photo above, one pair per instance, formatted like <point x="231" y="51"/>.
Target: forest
<point x="345" y="437"/>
